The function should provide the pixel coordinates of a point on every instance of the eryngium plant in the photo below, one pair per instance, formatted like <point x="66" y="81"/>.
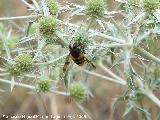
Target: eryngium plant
<point x="123" y="42"/>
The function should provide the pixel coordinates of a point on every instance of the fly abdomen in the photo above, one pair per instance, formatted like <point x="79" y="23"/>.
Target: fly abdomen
<point x="80" y="63"/>
<point x="80" y="60"/>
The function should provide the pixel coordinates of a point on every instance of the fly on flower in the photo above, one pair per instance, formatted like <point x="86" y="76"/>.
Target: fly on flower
<point x="77" y="54"/>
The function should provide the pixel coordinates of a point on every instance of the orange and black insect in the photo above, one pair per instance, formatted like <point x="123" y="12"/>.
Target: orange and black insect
<point x="76" y="54"/>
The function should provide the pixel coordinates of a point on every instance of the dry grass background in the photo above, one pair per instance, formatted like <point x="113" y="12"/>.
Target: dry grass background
<point x="21" y="101"/>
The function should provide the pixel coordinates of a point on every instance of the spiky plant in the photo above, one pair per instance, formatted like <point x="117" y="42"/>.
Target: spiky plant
<point x="122" y="41"/>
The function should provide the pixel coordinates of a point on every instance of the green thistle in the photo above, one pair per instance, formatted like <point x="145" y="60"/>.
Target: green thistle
<point x="13" y="69"/>
<point x="77" y="91"/>
<point x="81" y="37"/>
<point x="151" y="5"/>
<point x="53" y="7"/>
<point x="95" y="8"/>
<point x="23" y="62"/>
<point x="44" y="85"/>
<point x="47" y="26"/>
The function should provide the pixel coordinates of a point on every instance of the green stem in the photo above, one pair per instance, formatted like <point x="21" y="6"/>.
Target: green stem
<point x="4" y="74"/>
<point x="104" y="77"/>
<point x="119" y="45"/>
<point x="27" y="34"/>
<point x="89" y="25"/>
<point x="18" y="84"/>
<point x="4" y="40"/>
<point x="147" y="54"/>
<point x="152" y="97"/>
<point x="111" y="73"/>
<point x="59" y="92"/>
<point x="142" y="117"/>
<point x="32" y="76"/>
<point x="19" y="17"/>
<point x="111" y="38"/>
<point x="52" y="61"/>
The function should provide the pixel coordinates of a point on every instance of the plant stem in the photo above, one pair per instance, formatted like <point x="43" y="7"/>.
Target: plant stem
<point x="52" y="61"/>
<point x="111" y="38"/>
<point x="59" y="92"/>
<point x="111" y="73"/>
<point x="112" y="45"/>
<point x="147" y="54"/>
<point x="104" y="77"/>
<point x="4" y="74"/>
<point x="152" y="97"/>
<point x="4" y="40"/>
<point x="108" y="37"/>
<point x="120" y="30"/>
<point x="19" y="17"/>
<point x="30" y="86"/>
<point x="32" y="76"/>
<point x="89" y="25"/>
<point x="18" y="84"/>
<point x="119" y="45"/>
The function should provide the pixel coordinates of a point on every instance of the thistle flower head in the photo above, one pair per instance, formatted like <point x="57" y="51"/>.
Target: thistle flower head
<point x="13" y="69"/>
<point x="44" y="85"/>
<point x="95" y="8"/>
<point x="47" y="26"/>
<point x="151" y="5"/>
<point x="53" y="6"/>
<point x="77" y="91"/>
<point x="81" y="37"/>
<point x="23" y="62"/>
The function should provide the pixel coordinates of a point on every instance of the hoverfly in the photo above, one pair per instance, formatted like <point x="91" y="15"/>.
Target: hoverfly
<point x="76" y="53"/>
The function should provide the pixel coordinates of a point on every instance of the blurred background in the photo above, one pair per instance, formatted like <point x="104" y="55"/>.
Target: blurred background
<point x="22" y="101"/>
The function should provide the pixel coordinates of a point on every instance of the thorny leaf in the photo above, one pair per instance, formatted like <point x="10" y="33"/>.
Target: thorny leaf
<point x="128" y="109"/>
<point x="145" y="112"/>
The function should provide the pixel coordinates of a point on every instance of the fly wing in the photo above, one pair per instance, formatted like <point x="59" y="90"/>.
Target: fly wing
<point x="67" y="62"/>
